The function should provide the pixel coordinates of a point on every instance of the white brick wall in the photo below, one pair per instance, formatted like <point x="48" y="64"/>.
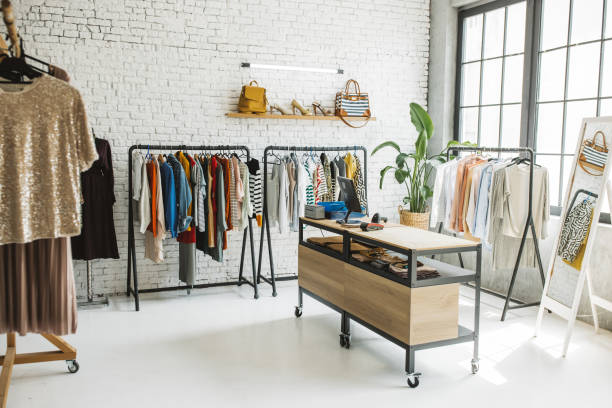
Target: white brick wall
<point x="167" y="71"/>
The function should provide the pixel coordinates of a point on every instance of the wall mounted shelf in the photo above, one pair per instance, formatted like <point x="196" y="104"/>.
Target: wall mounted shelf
<point x="298" y="117"/>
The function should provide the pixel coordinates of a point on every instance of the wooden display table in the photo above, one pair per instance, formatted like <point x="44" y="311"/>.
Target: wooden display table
<point x="414" y="314"/>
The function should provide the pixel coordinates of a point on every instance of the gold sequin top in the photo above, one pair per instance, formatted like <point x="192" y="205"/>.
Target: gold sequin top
<point x="44" y="146"/>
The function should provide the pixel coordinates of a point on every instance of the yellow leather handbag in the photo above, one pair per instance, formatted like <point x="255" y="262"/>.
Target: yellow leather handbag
<point x="252" y="99"/>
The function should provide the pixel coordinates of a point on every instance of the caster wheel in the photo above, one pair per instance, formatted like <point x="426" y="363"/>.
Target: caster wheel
<point x="274" y="294"/>
<point x="475" y="367"/>
<point x="73" y="366"/>
<point x="345" y="341"/>
<point x="298" y="311"/>
<point x="413" y="383"/>
<point x="256" y="296"/>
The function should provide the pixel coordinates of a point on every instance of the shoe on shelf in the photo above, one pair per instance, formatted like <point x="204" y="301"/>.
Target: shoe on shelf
<point x="324" y="111"/>
<point x="296" y="106"/>
<point x="282" y="110"/>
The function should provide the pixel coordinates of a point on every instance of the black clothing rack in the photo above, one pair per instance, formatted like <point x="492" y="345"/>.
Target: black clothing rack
<point x="529" y="225"/>
<point x="265" y="225"/>
<point x="131" y="263"/>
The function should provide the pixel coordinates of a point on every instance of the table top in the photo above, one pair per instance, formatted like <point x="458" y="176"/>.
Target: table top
<point x="402" y="236"/>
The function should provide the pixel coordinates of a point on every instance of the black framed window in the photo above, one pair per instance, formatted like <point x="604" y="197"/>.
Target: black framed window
<point x="528" y="72"/>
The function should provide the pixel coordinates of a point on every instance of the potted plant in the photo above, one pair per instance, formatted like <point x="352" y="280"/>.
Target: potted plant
<point x="414" y="169"/>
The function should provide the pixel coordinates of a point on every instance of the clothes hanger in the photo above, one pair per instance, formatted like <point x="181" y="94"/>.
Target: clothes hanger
<point x="14" y="69"/>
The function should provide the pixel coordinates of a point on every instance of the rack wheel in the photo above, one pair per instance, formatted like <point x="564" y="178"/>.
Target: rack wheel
<point x="274" y="294"/>
<point x="73" y="366"/>
<point x="413" y="380"/>
<point x="475" y="366"/>
<point x="345" y="340"/>
<point x="298" y="311"/>
<point x="256" y="296"/>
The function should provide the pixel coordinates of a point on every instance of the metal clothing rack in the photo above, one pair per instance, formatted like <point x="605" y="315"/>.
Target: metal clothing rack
<point x="265" y="225"/>
<point x="131" y="262"/>
<point x="529" y="225"/>
<point x="92" y="300"/>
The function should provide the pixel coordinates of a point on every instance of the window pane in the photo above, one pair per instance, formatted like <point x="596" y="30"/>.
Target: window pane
<point x="513" y="79"/>
<point x="586" y="20"/>
<point x="515" y="31"/>
<point x="489" y="126"/>
<point x="468" y="131"/>
<point x="550" y="127"/>
<point x="553" y="164"/>
<point x="583" y="71"/>
<point x="606" y="80"/>
<point x="494" y="33"/>
<point x="605" y="108"/>
<point x="576" y="111"/>
<point x="472" y="38"/>
<point x="555" y="16"/>
<point x="511" y="126"/>
<point x="491" y="81"/>
<point x="470" y="84"/>
<point x="552" y="75"/>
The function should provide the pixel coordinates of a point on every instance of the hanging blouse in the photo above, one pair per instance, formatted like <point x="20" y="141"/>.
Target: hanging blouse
<point x="309" y="168"/>
<point x="45" y="145"/>
<point x="255" y="188"/>
<point x="575" y="232"/>
<point x="97" y="239"/>
<point x="154" y="240"/>
<point x="144" y="204"/>
<point x="359" y="183"/>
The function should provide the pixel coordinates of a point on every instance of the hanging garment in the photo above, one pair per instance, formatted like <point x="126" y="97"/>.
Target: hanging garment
<point x="283" y="199"/>
<point x="226" y="189"/>
<point x="575" y="232"/>
<point x="482" y="204"/>
<point x="144" y="204"/>
<point x="335" y="188"/>
<point x="59" y="73"/>
<point x="97" y="239"/>
<point x="358" y="179"/>
<point x="341" y="164"/>
<point x="255" y="188"/>
<point x="302" y="189"/>
<point x="272" y="195"/>
<point x="46" y="146"/>
<point x="187" y="263"/>
<point x="196" y="182"/>
<point x="152" y="179"/>
<point x="183" y="193"/>
<point x="320" y="186"/>
<point x="327" y="179"/>
<point x="309" y="168"/>
<point x="137" y="162"/>
<point x="169" y="198"/>
<point x="212" y="205"/>
<point x="202" y="235"/>
<point x="236" y="193"/>
<point x="188" y="236"/>
<point x="154" y="240"/>
<point x="469" y="221"/>
<point x="295" y="213"/>
<point x="246" y="204"/>
<point x="351" y="166"/>
<point x="221" y="223"/>
<point x="290" y="167"/>
<point x="467" y="188"/>
<point x="202" y="195"/>
<point x="438" y="198"/>
<point x="37" y="293"/>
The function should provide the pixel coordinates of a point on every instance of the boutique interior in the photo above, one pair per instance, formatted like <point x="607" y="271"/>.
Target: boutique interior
<point x="374" y="202"/>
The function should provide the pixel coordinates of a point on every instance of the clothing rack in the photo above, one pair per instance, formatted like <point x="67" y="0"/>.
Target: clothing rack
<point x="131" y="262"/>
<point x="265" y="226"/>
<point x="92" y="300"/>
<point x="529" y="225"/>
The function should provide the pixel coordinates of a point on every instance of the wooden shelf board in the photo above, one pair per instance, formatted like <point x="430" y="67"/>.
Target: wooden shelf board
<point x="298" y="117"/>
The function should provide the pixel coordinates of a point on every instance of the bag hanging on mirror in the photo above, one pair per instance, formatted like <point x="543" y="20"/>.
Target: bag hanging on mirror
<point x="252" y="99"/>
<point x="594" y="155"/>
<point x="355" y="104"/>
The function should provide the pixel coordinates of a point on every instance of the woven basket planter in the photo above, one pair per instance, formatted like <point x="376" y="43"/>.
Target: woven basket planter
<point x="415" y="220"/>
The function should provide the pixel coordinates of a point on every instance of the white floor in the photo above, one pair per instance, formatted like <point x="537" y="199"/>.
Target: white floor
<point x="219" y="347"/>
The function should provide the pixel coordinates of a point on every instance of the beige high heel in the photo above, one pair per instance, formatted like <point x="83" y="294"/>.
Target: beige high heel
<point x="282" y="110"/>
<point x="325" y="112"/>
<point x="296" y="105"/>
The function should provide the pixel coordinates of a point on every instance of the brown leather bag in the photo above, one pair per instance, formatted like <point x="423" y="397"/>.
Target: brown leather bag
<point x="593" y="155"/>
<point x="252" y="99"/>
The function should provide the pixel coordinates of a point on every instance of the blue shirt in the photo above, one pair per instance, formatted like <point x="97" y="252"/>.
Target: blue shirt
<point x="183" y="193"/>
<point x="169" y="194"/>
<point x="482" y="204"/>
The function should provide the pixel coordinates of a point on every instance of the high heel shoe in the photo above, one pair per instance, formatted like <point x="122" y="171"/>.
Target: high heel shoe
<point x="296" y="105"/>
<point x="282" y="110"/>
<point x="317" y="105"/>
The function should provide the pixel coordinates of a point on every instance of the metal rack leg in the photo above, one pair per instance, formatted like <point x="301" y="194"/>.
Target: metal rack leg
<point x="250" y="227"/>
<point x="345" y="330"/>
<point x="300" y="307"/>
<point x="135" y="290"/>
<point x="514" y="273"/>
<point x="244" y="237"/>
<point x="129" y="262"/>
<point x="261" y="244"/>
<point x="475" y="358"/>
<point x="273" y="280"/>
<point x="413" y="377"/>
<point x="538" y="257"/>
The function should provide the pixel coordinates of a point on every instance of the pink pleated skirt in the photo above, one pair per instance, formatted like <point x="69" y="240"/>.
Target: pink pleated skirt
<point x="37" y="293"/>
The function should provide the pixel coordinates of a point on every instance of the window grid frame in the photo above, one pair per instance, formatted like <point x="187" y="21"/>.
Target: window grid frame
<point x="531" y="66"/>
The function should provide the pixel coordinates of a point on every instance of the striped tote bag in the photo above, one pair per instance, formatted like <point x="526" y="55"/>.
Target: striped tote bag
<point x="594" y="155"/>
<point x="352" y="104"/>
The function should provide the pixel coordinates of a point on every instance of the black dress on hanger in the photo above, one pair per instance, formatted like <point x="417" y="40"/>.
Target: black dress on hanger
<point x="97" y="239"/>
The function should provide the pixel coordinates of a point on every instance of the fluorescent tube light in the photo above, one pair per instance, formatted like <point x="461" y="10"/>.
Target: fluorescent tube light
<point x="293" y="68"/>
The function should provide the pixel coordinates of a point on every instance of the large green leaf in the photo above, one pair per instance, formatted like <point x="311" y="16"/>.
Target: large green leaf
<point x="421" y="145"/>
<point x="421" y="120"/>
<point x="400" y="160"/>
<point x="400" y="175"/>
<point x="385" y="144"/>
<point x="382" y="174"/>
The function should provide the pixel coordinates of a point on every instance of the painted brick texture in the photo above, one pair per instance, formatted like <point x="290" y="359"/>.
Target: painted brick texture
<point x="155" y="72"/>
